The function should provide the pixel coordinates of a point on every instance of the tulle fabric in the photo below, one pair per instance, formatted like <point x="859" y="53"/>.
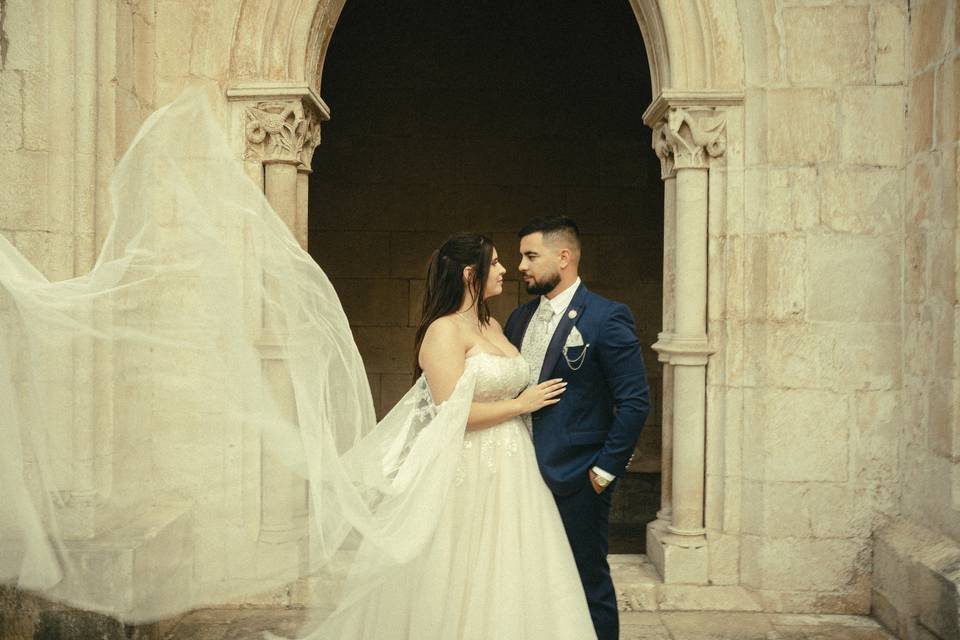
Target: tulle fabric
<point x="498" y="565"/>
<point x="203" y="364"/>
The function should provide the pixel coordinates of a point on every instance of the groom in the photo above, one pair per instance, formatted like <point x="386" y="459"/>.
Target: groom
<point x="584" y="442"/>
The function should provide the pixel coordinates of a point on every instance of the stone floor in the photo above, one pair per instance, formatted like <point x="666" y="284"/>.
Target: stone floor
<point x="248" y="624"/>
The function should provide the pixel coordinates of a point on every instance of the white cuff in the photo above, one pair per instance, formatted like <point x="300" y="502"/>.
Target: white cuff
<point x="603" y="474"/>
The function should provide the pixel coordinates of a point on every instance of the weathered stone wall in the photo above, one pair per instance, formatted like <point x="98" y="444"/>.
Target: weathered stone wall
<point x="821" y="235"/>
<point x="832" y="399"/>
<point x="917" y="587"/>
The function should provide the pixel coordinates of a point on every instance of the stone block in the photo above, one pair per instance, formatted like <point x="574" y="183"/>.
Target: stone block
<point x="416" y="302"/>
<point x="861" y="200"/>
<point x="350" y="254"/>
<point x="722" y="626"/>
<point x="755" y="280"/>
<point x="874" y="440"/>
<point x="733" y="269"/>
<point x="857" y="278"/>
<point x="915" y="267"/>
<point x="840" y="511"/>
<point x="754" y="429"/>
<point x="144" y="58"/>
<point x="827" y="44"/>
<point x="806" y="435"/>
<point x="859" y="356"/>
<point x="373" y="379"/>
<point x="410" y="253"/>
<point x="944" y="321"/>
<point x="724" y="558"/>
<point x="679" y="559"/>
<point x="781" y="200"/>
<point x="797" y="564"/>
<point x="950" y="187"/>
<point x="35" y="111"/>
<point x="22" y="198"/>
<point x="51" y="253"/>
<point x="674" y="598"/>
<point x="890" y="36"/>
<point x="11" y="110"/>
<point x="928" y="30"/>
<point x="756" y="134"/>
<point x="872" y="125"/>
<point x="786" y="277"/>
<point x="850" y="600"/>
<point x="914" y="568"/>
<point x="602" y="209"/>
<point x="762" y="66"/>
<point x="793" y="356"/>
<point x="943" y="267"/>
<point x="386" y="349"/>
<point x="942" y="423"/>
<point x="388" y="207"/>
<point x="138" y="563"/>
<point x="508" y="251"/>
<point x="609" y="254"/>
<point x="635" y="580"/>
<point x="802" y="126"/>
<point x="945" y="113"/>
<point x="378" y="302"/>
<point x="393" y="387"/>
<point x="174" y="28"/>
<point x="25" y="25"/>
<point x="920" y="113"/>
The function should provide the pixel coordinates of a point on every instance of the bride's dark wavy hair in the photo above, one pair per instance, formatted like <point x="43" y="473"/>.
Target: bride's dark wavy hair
<point x="445" y="289"/>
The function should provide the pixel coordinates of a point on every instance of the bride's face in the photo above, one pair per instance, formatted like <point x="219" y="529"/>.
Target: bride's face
<point x="494" y="284"/>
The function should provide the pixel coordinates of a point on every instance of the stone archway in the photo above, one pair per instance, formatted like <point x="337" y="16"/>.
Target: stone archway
<point x="697" y="69"/>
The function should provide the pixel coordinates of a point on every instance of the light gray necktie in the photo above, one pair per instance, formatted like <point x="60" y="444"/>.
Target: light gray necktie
<point x="536" y="339"/>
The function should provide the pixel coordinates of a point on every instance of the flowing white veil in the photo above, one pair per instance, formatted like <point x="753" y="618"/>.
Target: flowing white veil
<point x="153" y="430"/>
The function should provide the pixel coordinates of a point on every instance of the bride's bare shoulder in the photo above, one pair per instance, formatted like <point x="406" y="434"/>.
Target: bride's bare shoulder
<point x="443" y="329"/>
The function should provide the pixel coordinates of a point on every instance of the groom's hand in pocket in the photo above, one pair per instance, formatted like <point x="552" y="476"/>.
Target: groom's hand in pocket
<point x="593" y="482"/>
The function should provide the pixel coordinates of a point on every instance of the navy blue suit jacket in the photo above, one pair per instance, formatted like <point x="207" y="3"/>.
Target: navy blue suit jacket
<point x="599" y="417"/>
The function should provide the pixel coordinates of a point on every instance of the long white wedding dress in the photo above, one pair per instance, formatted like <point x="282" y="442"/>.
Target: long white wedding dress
<point x="499" y="565"/>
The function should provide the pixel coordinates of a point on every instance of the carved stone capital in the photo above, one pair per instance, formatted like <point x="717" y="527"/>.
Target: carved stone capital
<point x="281" y="131"/>
<point x="689" y="138"/>
<point x="663" y="151"/>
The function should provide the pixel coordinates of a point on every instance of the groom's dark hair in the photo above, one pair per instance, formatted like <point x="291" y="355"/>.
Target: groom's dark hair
<point x="552" y="227"/>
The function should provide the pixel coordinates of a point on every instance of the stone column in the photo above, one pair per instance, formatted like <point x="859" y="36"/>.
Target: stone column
<point x="669" y="177"/>
<point x="686" y="138"/>
<point x="282" y="133"/>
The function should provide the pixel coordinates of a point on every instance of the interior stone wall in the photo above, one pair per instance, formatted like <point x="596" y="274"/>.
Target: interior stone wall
<point x="916" y="585"/>
<point x="822" y="218"/>
<point x="440" y="128"/>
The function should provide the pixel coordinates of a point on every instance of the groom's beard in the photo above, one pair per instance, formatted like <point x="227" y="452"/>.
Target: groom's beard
<point x="543" y="287"/>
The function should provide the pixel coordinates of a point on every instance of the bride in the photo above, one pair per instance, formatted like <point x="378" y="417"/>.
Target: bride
<point x="499" y="565"/>
<point x="198" y="397"/>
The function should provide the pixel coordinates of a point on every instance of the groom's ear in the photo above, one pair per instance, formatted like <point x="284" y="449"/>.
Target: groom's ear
<point x="565" y="256"/>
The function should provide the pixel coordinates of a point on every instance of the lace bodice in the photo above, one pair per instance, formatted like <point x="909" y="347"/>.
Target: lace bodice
<point x="498" y="377"/>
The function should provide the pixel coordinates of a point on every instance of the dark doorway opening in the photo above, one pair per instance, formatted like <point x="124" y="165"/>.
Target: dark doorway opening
<point x="453" y="116"/>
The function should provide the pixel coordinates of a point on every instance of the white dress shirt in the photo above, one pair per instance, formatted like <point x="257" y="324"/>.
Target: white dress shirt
<point x="560" y="302"/>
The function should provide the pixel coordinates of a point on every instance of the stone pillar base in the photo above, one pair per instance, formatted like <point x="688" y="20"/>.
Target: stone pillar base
<point x="678" y="559"/>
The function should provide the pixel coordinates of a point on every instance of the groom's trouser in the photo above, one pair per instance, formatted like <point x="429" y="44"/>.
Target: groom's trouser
<point x="586" y="517"/>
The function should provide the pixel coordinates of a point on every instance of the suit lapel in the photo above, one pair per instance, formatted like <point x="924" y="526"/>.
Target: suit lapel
<point x="555" y="348"/>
